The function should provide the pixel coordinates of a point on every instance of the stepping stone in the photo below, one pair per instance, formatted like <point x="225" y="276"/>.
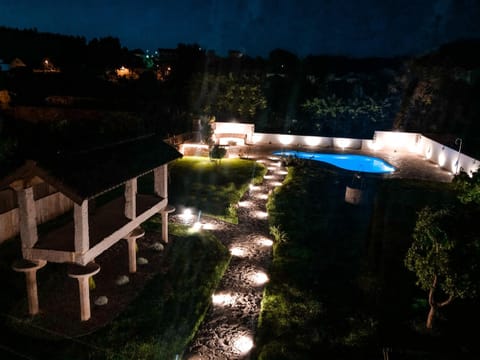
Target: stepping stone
<point x="122" y="280"/>
<point x="101" y="300"/>
<point x="158" y="246"/>
<point x="142" y="261"/>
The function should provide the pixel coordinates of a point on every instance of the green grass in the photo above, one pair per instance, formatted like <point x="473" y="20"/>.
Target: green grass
<point x="338" y="287"/>
<point x="211" y="187"/>
<point x="317" y="250"/>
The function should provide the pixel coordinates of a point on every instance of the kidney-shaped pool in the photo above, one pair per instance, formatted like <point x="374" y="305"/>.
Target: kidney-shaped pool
<point x="352" y="162"/>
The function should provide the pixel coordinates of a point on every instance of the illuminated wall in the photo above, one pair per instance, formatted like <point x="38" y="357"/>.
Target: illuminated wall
<point x="445" y="157"/>
<point x="394" y="141"/>
<point x="224" y="132"/>
<point x="385" y="141"/>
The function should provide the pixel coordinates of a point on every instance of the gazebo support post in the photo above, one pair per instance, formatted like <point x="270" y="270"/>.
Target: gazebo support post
<point x="82" y="274"/>
<point x="131" y="238"/>
<point x="30" y="269"/>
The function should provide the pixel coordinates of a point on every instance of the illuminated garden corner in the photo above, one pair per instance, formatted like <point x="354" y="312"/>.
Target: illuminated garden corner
<point x="82" y="177"/>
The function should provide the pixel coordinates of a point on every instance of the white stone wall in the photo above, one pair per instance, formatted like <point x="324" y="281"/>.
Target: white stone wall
<point x="244" y="131"/>
<point x="47" y="208"/>
<point x="445" y="157"/>
<point x="393" y="141"/>
<point x="306" y="141"/>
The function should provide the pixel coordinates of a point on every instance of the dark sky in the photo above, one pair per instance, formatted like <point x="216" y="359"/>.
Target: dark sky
<point x="349" y="27"/>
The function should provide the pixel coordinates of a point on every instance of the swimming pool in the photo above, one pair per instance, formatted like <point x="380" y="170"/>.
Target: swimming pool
<point x="352" y="162"/>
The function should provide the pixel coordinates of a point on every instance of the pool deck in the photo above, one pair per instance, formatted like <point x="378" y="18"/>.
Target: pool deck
<point x="408" y="165"/>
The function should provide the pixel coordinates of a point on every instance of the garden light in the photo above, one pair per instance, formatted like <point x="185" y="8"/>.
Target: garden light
<point x="223" y="299"/>
<point x="265" y="242"/>
<point x="243" y="344"/>
<point x="259" y="278"/>
<point x="237" y="251"/>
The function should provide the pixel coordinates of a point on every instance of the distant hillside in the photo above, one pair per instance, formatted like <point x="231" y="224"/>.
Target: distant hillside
<point x="65" y="51"/>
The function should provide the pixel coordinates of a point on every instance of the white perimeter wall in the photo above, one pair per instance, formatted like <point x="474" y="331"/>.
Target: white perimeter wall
<point x="47" y="208"/>
<point x="244" y="131"/>
<point x="395" y="141"/>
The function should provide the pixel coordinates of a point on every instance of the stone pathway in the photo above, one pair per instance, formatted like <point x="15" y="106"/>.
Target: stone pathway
<point x="229" y="326"/>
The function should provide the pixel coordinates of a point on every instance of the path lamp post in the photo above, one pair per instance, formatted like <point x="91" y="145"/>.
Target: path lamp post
<point x="458" y="141"/>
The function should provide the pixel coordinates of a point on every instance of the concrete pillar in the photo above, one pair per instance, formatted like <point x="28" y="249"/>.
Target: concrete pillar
<point x="167" y="210"/>
<point x="354" y="196"/>
<point x="80" y="217"/>
<point x="82" y="274"/>
<point x="28" y="217"/>
<point x="160" y="175"/>
<point x="132" y="248"/>
<point x="165" y="226"/>
<point x="130" y="199"/>
<point x="30" y="269"/>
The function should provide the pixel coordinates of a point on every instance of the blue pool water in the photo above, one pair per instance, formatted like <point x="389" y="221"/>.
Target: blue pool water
<point x="352" y="162"/>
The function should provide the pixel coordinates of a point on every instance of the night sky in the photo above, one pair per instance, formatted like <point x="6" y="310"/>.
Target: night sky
<point x="348" y="27"/>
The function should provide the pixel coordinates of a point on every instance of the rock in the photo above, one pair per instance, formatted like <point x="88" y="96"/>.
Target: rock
<point x="158" y="246"/>
<point x="101" y="300"/>
<point x="122" y="280"/>
<point x="142" y="261"/>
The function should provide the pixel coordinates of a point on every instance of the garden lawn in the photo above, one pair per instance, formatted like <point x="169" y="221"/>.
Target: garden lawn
<point x="338" y="285"/>
<point x="311" y="304"/>
<point x="212" y="187"/>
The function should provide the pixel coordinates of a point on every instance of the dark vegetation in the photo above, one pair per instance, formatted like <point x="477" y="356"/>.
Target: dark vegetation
<point x="318" y="95"/>
<point x="442" y="97"/>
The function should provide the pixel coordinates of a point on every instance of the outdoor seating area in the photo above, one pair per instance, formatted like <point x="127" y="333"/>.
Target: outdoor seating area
<point x="83" y="177"/>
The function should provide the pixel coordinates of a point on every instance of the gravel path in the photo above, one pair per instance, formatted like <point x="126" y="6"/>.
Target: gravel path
<point x="229" y="326"/>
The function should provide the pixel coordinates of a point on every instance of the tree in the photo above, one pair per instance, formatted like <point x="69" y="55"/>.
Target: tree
<point x="206" y="130"/>
<point x="217" y="153"/>
<point x="329" y="111"/>
<point x="444" y="256"/>
<point x="468" y="187"/>
<point x="227" y="96"/>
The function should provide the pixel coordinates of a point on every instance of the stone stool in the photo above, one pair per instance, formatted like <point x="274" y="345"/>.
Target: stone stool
<point x="82" y="274"/>
<point x="167" y="210"/>
<point x="132" y="237"/>
<point x="30" y="269"/>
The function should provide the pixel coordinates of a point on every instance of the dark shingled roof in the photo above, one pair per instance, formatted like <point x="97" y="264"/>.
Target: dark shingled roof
<point x="85" y="174"/>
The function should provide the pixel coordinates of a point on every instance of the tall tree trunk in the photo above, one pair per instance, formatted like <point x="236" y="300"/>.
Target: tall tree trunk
<point x="431" y="302"/>
<point x="434" y="305"/>
<point x="431" y="316"/>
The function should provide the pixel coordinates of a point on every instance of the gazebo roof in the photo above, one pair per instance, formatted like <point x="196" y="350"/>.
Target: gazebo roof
<point x="85" y="174"/>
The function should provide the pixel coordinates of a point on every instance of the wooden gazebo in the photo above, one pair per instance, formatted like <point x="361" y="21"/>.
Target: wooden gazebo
<point x="82" y="177"/>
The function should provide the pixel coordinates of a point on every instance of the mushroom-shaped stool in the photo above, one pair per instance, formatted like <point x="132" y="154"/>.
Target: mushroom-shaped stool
<point x="82" y="274"/>
<point x="30" y="267"/>
<point x="165" y="211"/>
<point x="132" y="237"/>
